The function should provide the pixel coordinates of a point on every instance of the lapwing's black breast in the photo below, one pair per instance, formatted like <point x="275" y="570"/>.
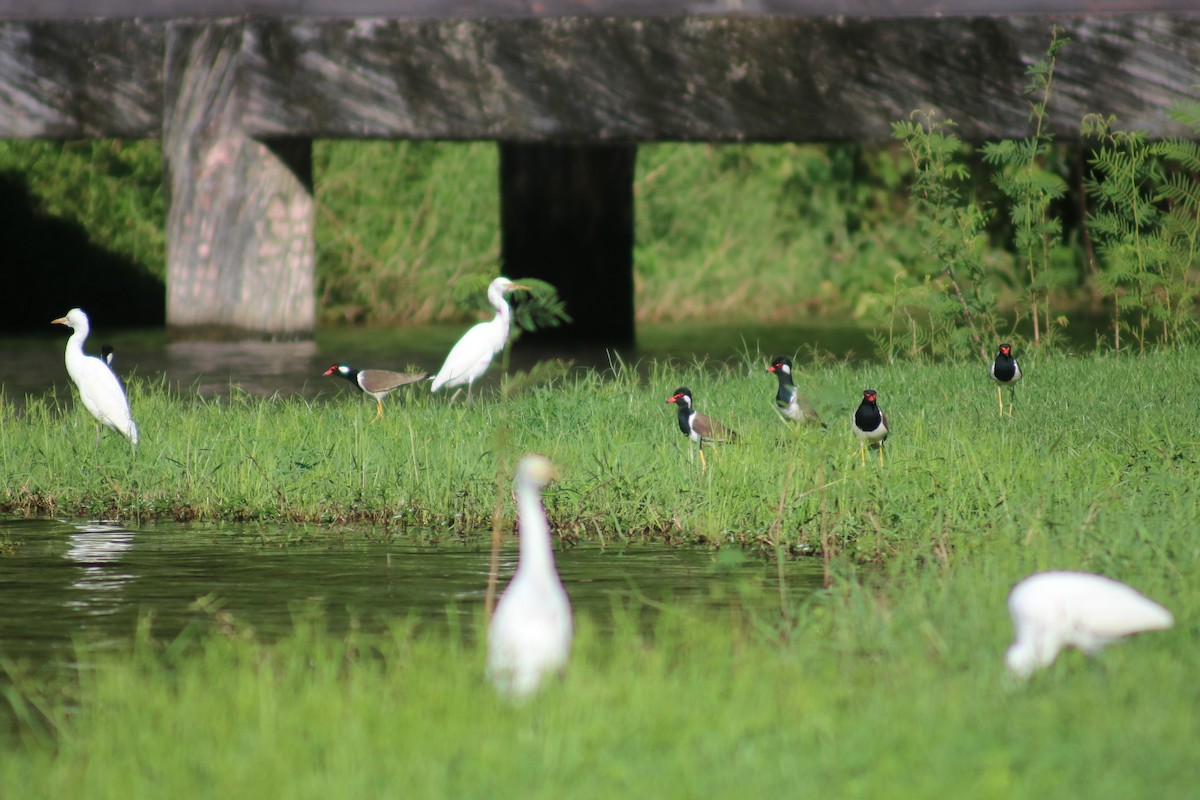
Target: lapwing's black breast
<point x="1004" y="369"/>
<point x="684" y="413"/>
<point x="868" y="417"/>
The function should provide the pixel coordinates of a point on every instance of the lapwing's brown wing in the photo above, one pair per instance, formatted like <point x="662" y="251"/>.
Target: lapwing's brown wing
<point x="711" y="429"/>
<point x="383" y="380"/>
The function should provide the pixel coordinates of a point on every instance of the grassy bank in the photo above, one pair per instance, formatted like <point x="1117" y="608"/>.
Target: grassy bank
<point x="891" y="687"/>
<point x="889" y="683"/>
<point x="1091" y="436"/>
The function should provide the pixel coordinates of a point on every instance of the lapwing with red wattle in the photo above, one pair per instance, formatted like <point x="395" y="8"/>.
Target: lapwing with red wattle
<point x="870" y="425"/>
<point x="696" y="426"/>
<point x="788" y="400"/>
<point x="378" y="383"/>
<point x="1005" y="372"/>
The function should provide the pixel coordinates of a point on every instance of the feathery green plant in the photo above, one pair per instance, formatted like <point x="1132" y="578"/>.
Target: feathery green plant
<point x="1146" y="222"/>
<point x="1022" y="176"/>
<point x="954" y="232"/>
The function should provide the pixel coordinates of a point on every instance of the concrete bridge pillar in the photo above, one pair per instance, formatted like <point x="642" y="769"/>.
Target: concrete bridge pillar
<point x="240" y="253"/>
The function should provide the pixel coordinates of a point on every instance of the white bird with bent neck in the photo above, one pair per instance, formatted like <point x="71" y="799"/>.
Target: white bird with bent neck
<point x="472" y="354"/>
<point x="99" y="388"/>
<point x="530" y="632"/>
<point x="1053" y="610"/>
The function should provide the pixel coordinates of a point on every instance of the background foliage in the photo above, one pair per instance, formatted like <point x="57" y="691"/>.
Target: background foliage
<point x="941" y="245"/>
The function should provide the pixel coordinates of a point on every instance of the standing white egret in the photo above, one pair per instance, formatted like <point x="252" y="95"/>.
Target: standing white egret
<point x="99" y="388"/>
<point x="471" y="355"/>
<point x="1053" y="610"/>
<point x="530" y="633"/>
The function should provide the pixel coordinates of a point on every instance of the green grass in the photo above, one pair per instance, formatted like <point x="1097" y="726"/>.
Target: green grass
<point x="1091" y="437"/>
<point x="890" y="686"/>
<point x="889" y="683"/>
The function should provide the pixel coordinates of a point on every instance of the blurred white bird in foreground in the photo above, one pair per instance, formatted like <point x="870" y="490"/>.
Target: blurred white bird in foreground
<point x="99" y="388"/>
<point x="472" y="354"/>
<point x="530" y="633"/>
<point x="1053" y="610"/>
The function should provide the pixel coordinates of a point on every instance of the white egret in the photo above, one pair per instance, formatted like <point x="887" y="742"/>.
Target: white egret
<point x="1005" y="372"/>
<point x="472" y="354"/>
<point x="870" y="425"/>
<point x="378" y="383"/>
<point x="99" y="388"/>
<point x="530" y="633"/>
<point x="1053" y="610"/>
<point x="700" y="428"/>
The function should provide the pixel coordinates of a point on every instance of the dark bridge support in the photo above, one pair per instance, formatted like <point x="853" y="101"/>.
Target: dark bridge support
<point x="566" y="216"/>
<point x="240" y="254"/>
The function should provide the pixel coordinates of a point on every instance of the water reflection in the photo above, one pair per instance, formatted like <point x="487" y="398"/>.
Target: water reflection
<point x="261" y="365"/>
<point x="33" y="365"/>
<point x="97" y="548"/>
<point x="70" y="589"/>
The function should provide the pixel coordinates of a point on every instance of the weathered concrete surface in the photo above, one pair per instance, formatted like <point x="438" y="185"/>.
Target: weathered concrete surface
<point x="710" y="79"/>
<point x="607" y="79"/>
<point x="240" y="211"/>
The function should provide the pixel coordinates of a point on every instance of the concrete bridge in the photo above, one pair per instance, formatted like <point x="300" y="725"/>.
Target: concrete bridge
<point x="237" y="90"/>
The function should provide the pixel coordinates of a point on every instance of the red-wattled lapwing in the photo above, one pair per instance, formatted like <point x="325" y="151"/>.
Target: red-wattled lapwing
<point x="696" y="426"/>
<point x="870" y="425"/>
<point x="1005" y="372"/>
<point x="788" y="400"/>
<point x="376" y="382"/>
<point x="471" y="355"/>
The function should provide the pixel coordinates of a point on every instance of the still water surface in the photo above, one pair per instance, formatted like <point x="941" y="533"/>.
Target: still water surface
<point x="71" y="589"/>
<point x="33" y="364"/>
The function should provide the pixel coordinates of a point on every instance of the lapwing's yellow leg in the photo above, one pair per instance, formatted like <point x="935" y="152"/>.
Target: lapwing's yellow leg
<point x="379" y="415"/>
<point x="1000" y="397"/>
<point x="862" y="452"/>
<point x="703" y="463"/>
<point x="881" y="454"/>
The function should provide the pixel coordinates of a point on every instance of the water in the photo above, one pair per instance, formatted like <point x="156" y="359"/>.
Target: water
<point x="72" y="589"/>
<point x="33" y="364"/>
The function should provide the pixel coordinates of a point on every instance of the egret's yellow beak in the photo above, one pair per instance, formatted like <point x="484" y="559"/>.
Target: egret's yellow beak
<point x="59" y="321"/>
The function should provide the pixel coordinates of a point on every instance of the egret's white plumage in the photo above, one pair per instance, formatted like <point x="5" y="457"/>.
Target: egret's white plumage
<point x="1053" y="610"/>
<point x="472" y="354"/>
<point x="530" y="633"/>
<point x="99" y="388"/>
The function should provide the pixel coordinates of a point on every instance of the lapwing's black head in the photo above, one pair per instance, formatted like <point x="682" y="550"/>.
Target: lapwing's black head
<point x="780" y="365"/>
<point x="345" y="370"/>
<point x="870" y="396"/>
<point x="1005" y="350"/>
<point x="682" y="396"/>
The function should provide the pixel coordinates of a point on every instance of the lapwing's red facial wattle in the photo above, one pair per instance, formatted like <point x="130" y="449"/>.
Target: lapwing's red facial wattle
<point x="1006" y="351"/>
<point x="674" y="398"/>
